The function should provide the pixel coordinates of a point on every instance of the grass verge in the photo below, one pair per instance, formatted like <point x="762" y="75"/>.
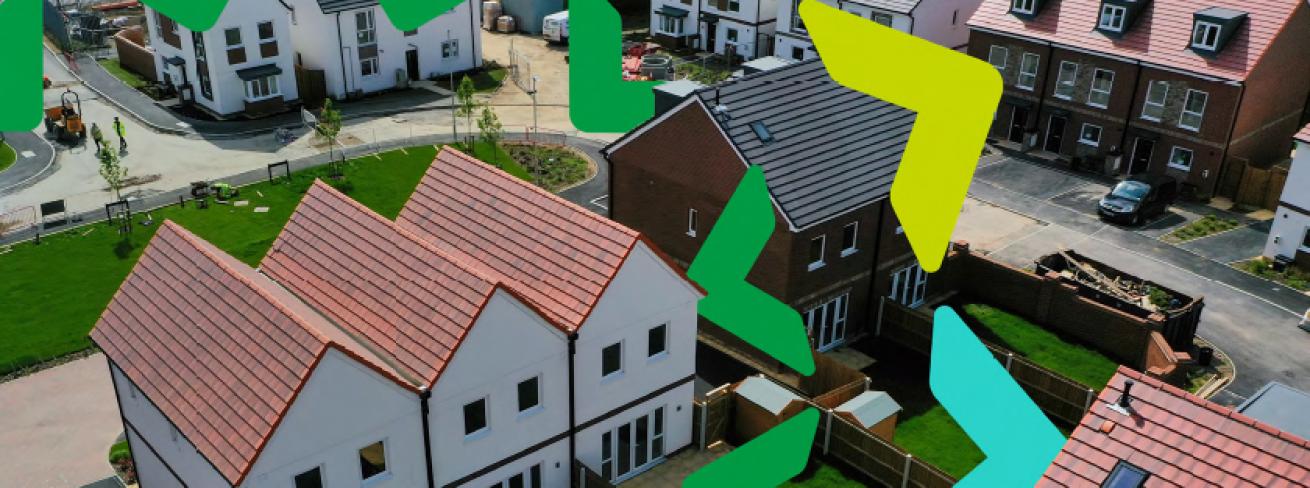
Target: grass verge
<point x="819" y="474"/>
<point x="484" y="80"/>
<point x="1042" y="346"/>
<point x="1290" y="275"/>
<point x="7" y="156"/>
<point x="1202" y="227"/>
<point x="129" y="78"/>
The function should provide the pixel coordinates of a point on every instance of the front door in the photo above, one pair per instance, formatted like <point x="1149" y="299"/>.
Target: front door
<point x="411" y="64"/>
<point x="1055" y="134"/>
<point x="711" y="34"/>
<point x="826" y="323"/>
<point x="633" y="447"/>
<point x="1141" y="156"/>
<point x="1018" y="120"/>
<point x="909" y="285"/>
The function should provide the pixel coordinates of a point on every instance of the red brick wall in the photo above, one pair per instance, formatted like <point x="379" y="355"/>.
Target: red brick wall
<point x="1276" y="95"/>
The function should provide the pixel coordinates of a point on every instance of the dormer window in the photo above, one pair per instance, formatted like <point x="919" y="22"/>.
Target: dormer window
<point x="1028" y="7"/>
<point x="1117" y="16"/>
<point x="1112" y="18"/>
<point x="1213" y="27"/>
<point x="1206" y="36"/>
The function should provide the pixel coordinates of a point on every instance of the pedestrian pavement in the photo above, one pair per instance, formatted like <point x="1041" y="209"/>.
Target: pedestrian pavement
<point x="35" y="158"/>
<point x="57" y="425"/>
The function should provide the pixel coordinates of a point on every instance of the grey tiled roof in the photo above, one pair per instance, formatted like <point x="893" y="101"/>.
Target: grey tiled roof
<point x="899" y="6"/>
<point x="334" y="6"/>
<point x="834" y="149"/>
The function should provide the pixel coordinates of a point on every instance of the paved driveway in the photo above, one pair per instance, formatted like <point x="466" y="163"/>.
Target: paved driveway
<point x="56" y="426"/>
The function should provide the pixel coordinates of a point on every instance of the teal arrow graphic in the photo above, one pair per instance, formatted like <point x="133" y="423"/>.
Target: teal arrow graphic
<point x="975" y="389"/>
<point x="768" y="460"/>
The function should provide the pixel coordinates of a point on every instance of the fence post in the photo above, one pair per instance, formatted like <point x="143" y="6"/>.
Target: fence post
<point x="1009" y="359"/>
<point x="905" y="478"/>
<point x="877" y="331"/>
<point x="1088" y="404"/>
<point x="827" y="432"/>
<point x="704" y="412"/>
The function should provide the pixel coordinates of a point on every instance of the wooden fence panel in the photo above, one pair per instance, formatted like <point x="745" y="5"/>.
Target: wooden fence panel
<point x="712" y="417"/>
<point x="865" y="453"/>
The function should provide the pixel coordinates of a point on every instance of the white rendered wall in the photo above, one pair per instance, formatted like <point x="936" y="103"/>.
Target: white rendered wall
<point x="153" y="428"/>
<point x="690" y="24"/>
<point x="150" y="471"/>
<point x="943" y="21"/>
<point x="1290" y="225"/>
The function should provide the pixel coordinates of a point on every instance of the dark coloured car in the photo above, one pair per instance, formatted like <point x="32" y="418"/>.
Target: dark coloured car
<point x="1138" y="198"/>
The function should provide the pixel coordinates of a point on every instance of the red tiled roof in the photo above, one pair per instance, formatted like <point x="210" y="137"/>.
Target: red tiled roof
<point x="1304" y="134"/>
<point x="405" y="297"/>
<point x="1180" y="439"/>
<point x="557" y="254"/>
<point x="218" y="348"/>
<point x="1160" y="36"/>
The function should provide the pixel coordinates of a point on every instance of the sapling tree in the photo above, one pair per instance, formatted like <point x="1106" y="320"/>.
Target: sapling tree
<point x="490" y="128"/>
<point x="114" y="173"/>
<point x="466" y="104"/>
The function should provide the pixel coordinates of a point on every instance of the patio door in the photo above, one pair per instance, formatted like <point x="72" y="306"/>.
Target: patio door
<point x="826" y="323"/>
<point x="909" y="285"/>
<point x="631" y="448"/>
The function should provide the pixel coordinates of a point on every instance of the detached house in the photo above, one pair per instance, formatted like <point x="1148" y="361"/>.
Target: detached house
<point x="939" y="21"/>
<point x="1197" y="91"/>
<point x="829" y="155"/>
<point x="491" y="336"/>
<point x="244" y="65"/>
<point x="741" y="28"/>
<point x="1289" y="236"/>
<point x="359" y="51"/>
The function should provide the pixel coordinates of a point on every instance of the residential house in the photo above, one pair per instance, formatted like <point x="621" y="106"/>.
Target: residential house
<point x="1197" y="91"/>
<point x="1144" y="432"/>
<point x="242" y="66"/>
<point x="829" y="155"/>
<point x="939" y="21"/>
<point x="409" y="353"/>
<point x="740" y="28"/>
<point x="360" y="51"/>
<point x="1289" y="237"/>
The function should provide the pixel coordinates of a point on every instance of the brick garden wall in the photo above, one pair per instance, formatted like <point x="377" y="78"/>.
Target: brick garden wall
<point x="132" y="53"/>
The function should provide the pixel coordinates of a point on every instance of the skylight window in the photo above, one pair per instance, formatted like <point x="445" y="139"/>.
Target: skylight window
<point x="762" y="132"/>
<point x="1125" y="475"/>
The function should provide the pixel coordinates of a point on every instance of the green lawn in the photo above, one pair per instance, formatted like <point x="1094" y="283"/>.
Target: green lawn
<point x="497" y="156"/>
<point x="821" y="475"/>
<point x="1202" y="227"/>
<point x="1042" y="346"/>
<point x="54" y="292"/>
<point x="131" y="79"/>
<point x="7" y="156"/>
<point x="120" y="450"/>
<point x="483" y="81"/>
<point x="1290" y="276"/>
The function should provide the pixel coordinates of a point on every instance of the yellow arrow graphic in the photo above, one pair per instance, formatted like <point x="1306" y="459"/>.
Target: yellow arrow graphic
<point x="955" y="96"/>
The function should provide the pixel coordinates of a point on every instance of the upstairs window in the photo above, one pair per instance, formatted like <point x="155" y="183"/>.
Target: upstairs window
<point x="848" y="238"/>
<point x="475" y="417"/>
<point x="1205" y="35"/>
<point x="1112" y="18"/>
<point x="1193" y="110"/>
<point x="1024" y="6"/>
<point x="797" y="24"/>
<point x="657" y="340"/>
<point x="611" y="360"/>
<point x="1102" y="84"/>
<point x="816" y="252"/>
<point x="267" y="40"/>
<point x="884" y="19"/>
<point x="373" y="461"/>
<point x="1065" y="80"/>
<point x="1153" y="106"/>
<point x="693" y="221"/>
<point x="996" y="56"/>
<point x="365" y="28"/>
<point x="236" y="52"/>
<point x="309" y="479"/>
<point x="1028" y="71"/>
<point x="529" y="393"/>
<point x="450" y="49"/>
<point x="734" y="6"/>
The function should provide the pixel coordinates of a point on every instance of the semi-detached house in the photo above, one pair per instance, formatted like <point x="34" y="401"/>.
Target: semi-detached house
<point x="1194" y="90"/>
<point x="489" y="336"/>
<point x="728" y="27"/>
<point x="939" y="21"/>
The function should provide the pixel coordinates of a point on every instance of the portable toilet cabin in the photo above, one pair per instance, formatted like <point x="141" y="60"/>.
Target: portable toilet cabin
<point x="873" y="411"/>
<point x="760" y="405"/>
<point x="530" y="13"/>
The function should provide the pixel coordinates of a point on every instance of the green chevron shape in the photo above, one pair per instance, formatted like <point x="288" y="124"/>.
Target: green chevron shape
<point x="21" y="82"/>
<point x="768" y="460"/>
<point x="729" y="252"/>
<point x="599" y="99"/>
<point x="201" y="15"/>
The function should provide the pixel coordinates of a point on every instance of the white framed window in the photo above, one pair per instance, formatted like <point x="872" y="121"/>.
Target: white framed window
<point x="368" y="66"/>
<point x="798" y="53"/>
<point x="797" y="24"/>
<point x="1028" y="71"/>
<point x="312" y="478"/>
<point x="693" y="222"/>
<point x="1153" y="106"/>
<point x="817" y="246"/>
<point x="365" y="28"/>
<point x="236" y="49"/>
<point x="1305" y="241"/>
<point x="849" y="238"/>
<point x="657" y="341"/>
<point x="1023" y="6"/>
<point x="527" y="479"/>
<point x="611" y="361"/>
<point x="529" y="393"/>
<point x="631" y="447"/>
<point x="826" y="323"/>
<point x="373" y="462"/>
<point x="1112" y="17"/>
<point x="1205" y="35"/>
<point x="1066" y="79"/>
<point x="996" y="56"/>
<point x="1193" y="110"/>
<point x="475" y="418"/>
<point x="909" y="285"/>
<point x="450" y="49"/>
<point x="1102" y="85"/>
<point x="1180" y="158"/>
<point x="1090" y="135"/>
<point x="734" y="6"/>
<point x="267" y="39"/>
<point x="881" y="18"/>
<point x="263" y="88"/>
<point x="671" y="25"/>
<point x="731" y="34"/>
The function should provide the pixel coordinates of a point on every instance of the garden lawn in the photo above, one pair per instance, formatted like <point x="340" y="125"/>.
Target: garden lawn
<point x="129" y="78"/>
<point x="7" y="156"/>
<point x="1202" y="227"/>
<point x="821" y="475"/>
<point x="483" y="81"/>
<point x="1042" y="346"/>
<point x="54" y="292"/>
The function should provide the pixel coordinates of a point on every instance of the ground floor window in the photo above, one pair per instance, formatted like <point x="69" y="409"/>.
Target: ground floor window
<point x="1181" y="158"/>
<point x="310" y="479"/>
<point x="798" y="53"/>
<point x="826" y="324"/>
<point x="883" y="19"/>
<point x="909" y="285"/>
<point x="632" y="447"/>
<point x="450" y="49"/>
<point x="527" y="479"/>
<point x="262" y="88"/>
<point x="1090" y="135"/>
<point x="368" y="66"/>
<point x="671" y="25"/>
<point x="1305" y="242"/>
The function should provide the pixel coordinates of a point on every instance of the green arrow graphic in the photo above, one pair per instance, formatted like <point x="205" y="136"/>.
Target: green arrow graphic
<point x="772" y="458"/>
<point x="200" y="15"/>
<point x="599" y="99"/>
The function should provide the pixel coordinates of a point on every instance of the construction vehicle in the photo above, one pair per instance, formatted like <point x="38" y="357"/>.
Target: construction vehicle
<point x="65" y="119"/>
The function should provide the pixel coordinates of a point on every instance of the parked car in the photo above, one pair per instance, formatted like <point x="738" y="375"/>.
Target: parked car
<point x="556" y="27"/>
<point x="1138" y="198"/>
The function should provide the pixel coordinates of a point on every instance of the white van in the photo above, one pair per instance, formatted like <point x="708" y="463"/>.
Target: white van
<point x="556" y="27"/>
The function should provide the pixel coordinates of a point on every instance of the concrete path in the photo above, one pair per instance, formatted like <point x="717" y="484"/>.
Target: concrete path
<point x="57" y="426"/>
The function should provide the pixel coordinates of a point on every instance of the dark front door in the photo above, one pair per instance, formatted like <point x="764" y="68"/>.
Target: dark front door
<point x="1141" y="156"/>
<point x="1055" y="134"/>
<point x="711" y="34"/>
<point x="411" y="64"/>
<point x="1017" y="122"/>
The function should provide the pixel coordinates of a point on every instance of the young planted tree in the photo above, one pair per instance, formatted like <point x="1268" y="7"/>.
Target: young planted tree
<point x="329" y="124"/>
<point x="114" y="173"/>
<point x="466" y="105"/>
<point x="490" y="127"/>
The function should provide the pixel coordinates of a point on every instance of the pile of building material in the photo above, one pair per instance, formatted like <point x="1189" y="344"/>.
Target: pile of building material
<point x="1127" y="288"/>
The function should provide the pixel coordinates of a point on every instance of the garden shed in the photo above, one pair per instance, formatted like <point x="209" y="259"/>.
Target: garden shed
<point x="875" y="411"/>
<point x="760" y="405"/>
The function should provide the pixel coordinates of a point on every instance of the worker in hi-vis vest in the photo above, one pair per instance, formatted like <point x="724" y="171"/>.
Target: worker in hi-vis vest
<point x="121" y="130"/>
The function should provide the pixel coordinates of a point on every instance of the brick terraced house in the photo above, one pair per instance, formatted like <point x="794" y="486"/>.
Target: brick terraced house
<point x="829" y="155"/>
<point x="1141" y="432"/>
<point x="490" y="336"/>
<point x="1194" y="90"/>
